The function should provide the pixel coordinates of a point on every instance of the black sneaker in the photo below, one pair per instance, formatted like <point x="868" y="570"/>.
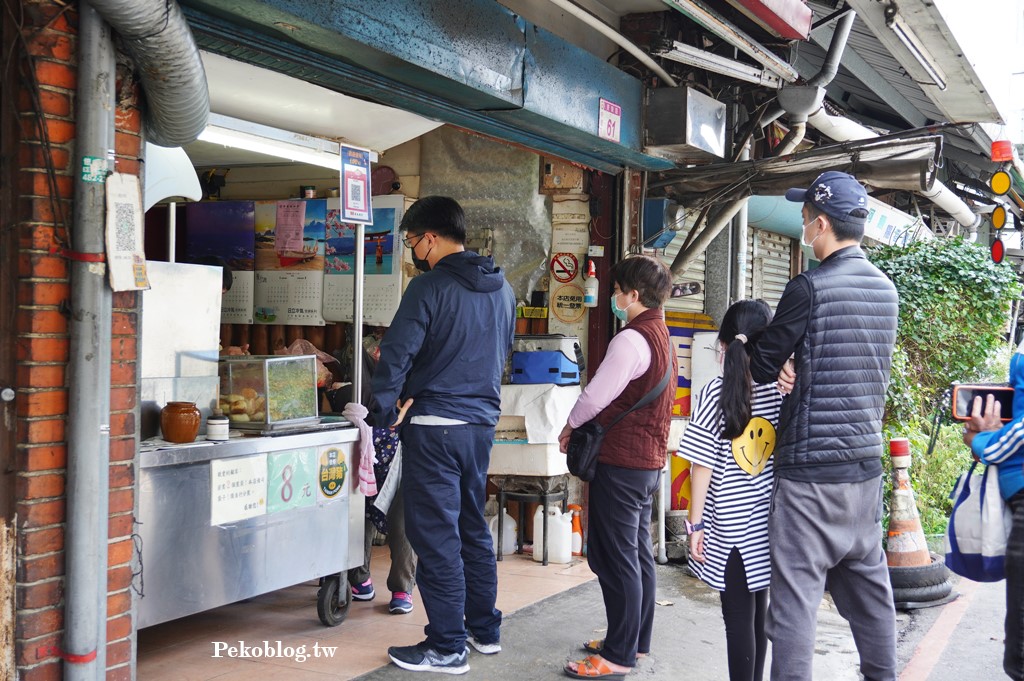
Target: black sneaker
<point x="422" y="658"/>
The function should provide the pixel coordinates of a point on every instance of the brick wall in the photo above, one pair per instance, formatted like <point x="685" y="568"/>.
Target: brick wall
<point x="44" y="214"/>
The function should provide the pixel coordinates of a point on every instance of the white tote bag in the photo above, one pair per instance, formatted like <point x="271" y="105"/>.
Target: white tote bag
<point x="978" y="527"/>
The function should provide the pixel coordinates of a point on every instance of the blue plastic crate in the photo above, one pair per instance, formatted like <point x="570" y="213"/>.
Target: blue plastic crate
<point x="544" y="367"/>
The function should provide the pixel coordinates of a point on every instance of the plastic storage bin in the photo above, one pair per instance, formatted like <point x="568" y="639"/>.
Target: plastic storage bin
<point x="268" y="392"/>
<point x="544" y="367"/>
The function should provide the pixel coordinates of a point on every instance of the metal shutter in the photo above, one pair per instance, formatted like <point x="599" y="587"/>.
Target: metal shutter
<point x="768" y="265"/>
<point x="694" y="303"/>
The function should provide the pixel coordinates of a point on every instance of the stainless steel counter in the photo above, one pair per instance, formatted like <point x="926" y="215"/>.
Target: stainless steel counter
<point x="223" y="522"/>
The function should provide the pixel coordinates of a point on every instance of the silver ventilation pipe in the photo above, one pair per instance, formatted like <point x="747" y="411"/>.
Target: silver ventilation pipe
<point x="88" y="431"/>
<point x="159" y="41"/>
<point x="842" y="129"/>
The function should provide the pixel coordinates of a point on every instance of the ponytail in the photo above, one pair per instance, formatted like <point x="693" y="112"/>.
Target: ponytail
<point x="743" y="320"/>
<point x="735" y="398"/>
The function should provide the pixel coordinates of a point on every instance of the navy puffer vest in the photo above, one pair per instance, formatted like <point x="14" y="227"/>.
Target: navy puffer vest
<point x="833" y="418"/>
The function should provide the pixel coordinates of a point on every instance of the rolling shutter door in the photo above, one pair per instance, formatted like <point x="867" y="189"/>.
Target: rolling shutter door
<point x="769" y="270"/>
<point x="694" y="303"/>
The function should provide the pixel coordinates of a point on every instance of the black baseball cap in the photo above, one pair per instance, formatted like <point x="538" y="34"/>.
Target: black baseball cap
<point x="837" y="195"/>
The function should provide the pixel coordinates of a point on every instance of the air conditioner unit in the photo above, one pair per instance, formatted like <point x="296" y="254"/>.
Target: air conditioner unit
<point x="685" y="126"/>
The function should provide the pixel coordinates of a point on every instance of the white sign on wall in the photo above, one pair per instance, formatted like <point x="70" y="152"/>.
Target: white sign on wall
<point x="238" y="488"/>
<point x="609" y="121"/>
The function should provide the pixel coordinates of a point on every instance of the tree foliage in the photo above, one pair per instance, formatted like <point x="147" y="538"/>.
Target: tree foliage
<point x="954" y="306"/>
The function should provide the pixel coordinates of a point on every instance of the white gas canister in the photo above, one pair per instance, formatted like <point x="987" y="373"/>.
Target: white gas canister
<point x="559" y="535"/>
<point x="508" y="531"/>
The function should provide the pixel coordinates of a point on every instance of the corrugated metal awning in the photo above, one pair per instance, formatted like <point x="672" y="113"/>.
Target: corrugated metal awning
<point x="891" y="163"/>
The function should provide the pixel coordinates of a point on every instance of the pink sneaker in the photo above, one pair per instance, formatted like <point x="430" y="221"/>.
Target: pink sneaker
<point x="401" y="603"/>
<point x="364" y="591"/>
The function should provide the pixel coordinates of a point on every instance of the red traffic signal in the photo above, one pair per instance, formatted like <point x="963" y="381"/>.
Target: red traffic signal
<point x="998" y="251"/>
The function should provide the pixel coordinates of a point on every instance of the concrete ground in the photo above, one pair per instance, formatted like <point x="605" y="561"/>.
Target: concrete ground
<point x="960" y="641"/>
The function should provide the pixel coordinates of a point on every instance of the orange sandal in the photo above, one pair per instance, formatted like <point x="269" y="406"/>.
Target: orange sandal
<point x="593" y="667"/>
<point x="596" y="645"/>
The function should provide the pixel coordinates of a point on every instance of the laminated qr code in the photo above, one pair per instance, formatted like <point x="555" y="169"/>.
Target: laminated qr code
<point x="124" y="227"/>
<point x="356" y="191"/>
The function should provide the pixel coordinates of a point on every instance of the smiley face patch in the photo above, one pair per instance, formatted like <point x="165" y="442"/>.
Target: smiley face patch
<point x="753" y="447"/>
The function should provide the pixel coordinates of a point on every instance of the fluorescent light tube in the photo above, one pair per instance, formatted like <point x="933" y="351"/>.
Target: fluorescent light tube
<point x="263" y="139"/>
<point x="687" y="54"/>
<point x="914" y="45"/>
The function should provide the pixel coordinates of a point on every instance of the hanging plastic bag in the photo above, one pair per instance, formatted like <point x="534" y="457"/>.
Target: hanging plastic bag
<point x="301" y="346"/>
<point x="978" y="527"/>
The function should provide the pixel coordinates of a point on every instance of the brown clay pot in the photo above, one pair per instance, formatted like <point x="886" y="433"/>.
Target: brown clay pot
<point x="179" y="421"/>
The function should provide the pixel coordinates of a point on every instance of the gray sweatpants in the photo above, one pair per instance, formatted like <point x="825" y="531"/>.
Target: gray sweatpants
<point x="829" y="535"/>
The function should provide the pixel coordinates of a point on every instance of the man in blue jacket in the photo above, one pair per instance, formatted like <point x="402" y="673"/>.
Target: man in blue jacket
<point x="992" y="441"/>
<point x="442" y="360"/>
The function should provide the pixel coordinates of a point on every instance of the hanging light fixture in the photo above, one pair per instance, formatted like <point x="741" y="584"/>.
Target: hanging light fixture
<point x="263" y="139"/>
<point x="899" y="26"/>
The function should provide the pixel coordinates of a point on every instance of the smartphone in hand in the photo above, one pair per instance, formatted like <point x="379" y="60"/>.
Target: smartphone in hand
<point x="964" y="394"/>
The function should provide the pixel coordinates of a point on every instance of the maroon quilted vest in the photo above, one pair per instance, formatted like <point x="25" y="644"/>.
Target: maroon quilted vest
<point x="640" y="440"/>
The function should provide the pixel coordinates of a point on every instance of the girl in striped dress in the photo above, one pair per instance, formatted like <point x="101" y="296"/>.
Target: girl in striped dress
<point x="729" y="442"/>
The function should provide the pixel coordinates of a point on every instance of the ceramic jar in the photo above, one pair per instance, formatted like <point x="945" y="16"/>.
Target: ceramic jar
<point x="217" y="428"/>
<point x="179" y="421"/>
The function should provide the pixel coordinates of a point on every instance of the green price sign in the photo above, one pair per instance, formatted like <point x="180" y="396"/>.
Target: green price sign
<point x="291" y="479"/>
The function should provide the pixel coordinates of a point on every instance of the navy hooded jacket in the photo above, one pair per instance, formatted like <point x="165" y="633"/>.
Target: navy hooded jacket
<point x="448" y="343"/>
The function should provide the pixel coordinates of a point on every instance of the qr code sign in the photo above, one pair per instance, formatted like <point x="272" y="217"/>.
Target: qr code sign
<point x="124" y="227"/>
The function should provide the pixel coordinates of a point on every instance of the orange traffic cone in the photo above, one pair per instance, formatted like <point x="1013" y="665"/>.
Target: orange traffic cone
<point x="906" y="545"/>
<point x="577" y="530"/>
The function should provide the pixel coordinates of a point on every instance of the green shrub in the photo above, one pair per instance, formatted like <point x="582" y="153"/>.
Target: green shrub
<point x="954" y="304"/>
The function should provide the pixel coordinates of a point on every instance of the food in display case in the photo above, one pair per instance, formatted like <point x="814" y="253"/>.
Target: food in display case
<point x="268" y="391"/>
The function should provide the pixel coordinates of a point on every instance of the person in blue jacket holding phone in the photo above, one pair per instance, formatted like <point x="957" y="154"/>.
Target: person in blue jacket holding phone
<point x="991" y="441"/>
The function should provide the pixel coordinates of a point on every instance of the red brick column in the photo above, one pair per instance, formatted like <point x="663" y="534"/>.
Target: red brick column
<point x="46" y="170"/>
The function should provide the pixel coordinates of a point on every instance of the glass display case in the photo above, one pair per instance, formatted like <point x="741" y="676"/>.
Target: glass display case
<point x="268" y="392"/>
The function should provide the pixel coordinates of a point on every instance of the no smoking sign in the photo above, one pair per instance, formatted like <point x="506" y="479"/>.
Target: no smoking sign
<point x="564" y="267"/>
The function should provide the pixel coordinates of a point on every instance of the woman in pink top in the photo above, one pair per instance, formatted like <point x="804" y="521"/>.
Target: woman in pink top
<point x="639" y="359"/>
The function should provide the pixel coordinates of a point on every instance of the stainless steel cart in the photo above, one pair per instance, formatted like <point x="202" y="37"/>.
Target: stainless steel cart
<point x="209" y="539"/>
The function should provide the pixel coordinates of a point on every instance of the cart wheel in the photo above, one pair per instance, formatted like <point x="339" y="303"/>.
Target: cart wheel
<point x="332" y="609"/>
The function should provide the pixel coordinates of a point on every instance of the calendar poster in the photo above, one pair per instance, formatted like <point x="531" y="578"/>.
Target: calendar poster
<point x="224" y="232"/>
<point x="290" y="238"/>
<point x="382" y="262"/>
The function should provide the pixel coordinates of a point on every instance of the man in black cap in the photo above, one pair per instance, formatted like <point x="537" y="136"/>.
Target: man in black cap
<point x="837" y="325"/>
<point x="442" y="360"/>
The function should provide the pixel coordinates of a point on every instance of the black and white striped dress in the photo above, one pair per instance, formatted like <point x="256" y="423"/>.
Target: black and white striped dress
<point x="736" y="508"/>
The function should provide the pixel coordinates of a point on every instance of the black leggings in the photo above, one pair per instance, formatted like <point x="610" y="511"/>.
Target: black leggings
<point x="744" y="614"/>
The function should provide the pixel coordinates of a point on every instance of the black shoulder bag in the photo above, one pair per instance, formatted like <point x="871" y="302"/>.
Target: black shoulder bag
<point x="585" y="441"/>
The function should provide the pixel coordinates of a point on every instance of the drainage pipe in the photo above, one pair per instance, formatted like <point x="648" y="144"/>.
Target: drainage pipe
<point x="88" y="429"/>
<point x="613" y="35"/>
<point x="160" y="43"/>
<point x="829" y="67"/>
<point x="741" y="226"/>
<point x="843" y="129"/>
<point x="688" y="255"/>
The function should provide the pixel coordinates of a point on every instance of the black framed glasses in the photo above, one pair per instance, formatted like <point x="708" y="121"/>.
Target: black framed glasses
<point x="407" y="240"/>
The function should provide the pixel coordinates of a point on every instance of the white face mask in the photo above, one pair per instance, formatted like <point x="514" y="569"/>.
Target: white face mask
<point x="810" y="243"/>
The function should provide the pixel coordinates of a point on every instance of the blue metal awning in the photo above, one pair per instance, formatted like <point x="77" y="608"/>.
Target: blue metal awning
<point x="470" y="63"/>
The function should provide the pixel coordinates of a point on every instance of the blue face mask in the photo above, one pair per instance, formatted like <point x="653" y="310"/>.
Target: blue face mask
<point x="619" y="312"/>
